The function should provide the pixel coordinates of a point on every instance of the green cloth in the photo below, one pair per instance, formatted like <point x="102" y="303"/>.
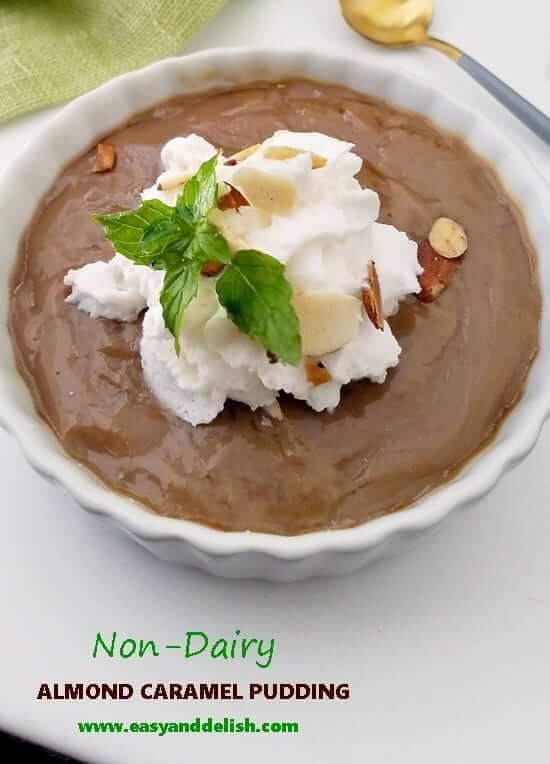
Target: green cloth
<point x="53" y="50"/>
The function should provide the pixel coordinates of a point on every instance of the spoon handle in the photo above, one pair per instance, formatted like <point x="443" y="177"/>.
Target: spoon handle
<point x="538" y="122"/>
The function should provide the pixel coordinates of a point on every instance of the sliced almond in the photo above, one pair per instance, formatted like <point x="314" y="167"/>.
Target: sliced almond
<point x="254" y="218"/>
<point x="372" y="297"/>
<point x="232" y="200"/>
<point x="205" y="306"/>
<point x="438" y="272"/>
<point x="219" y="219"/>
<point x="105" y="157"/>
<point x="240" y="156"/>
<point x="328" y="320"/>
<point x="170" y="182"/>
<point x="211" y="268"/>
<point x="268" y="192"/>
<point x="448" y="238"/>
<point x="316" y="373"/>
<point x="275" y="411"/>
<point x="317" y="162"/>
<point x="288" y="152"/>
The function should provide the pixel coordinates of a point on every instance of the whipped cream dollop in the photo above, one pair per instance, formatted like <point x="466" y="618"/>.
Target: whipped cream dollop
<point x="325" y="242"/>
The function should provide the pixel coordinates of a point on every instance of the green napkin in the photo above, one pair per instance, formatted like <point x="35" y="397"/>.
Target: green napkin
<point x="53" y="50"/>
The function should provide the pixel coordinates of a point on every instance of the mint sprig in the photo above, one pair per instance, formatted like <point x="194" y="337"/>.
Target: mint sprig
<point x="257" y="298"/>
<point x="200" y="193"/>
<point x="253" y="287"/>
<point x="180" y="286"/>
<point x="126" y="229"/>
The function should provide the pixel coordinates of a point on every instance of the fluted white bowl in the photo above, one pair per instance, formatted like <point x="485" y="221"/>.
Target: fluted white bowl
<point x="257" y="555"/>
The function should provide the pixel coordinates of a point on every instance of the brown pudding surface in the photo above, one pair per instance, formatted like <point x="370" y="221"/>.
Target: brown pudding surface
<point x="464" y="362"/>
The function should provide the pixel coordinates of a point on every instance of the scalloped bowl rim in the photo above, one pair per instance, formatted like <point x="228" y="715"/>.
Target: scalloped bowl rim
<point x="517" y="435"/>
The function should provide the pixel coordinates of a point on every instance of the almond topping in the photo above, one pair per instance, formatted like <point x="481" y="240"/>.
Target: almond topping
<point x="448" y="238"/>
<point x="372" y="297"/>
<point x="240" y="156"/>
<point x="172" y="181"/>
<point x="211" y="268"/>
<point x="268" y="192"/>
<point x="438" y="272"/>
<point x="222" y="221"/>
<point x="275" y="411"/>
<point x="317" y="162"/>
<point x="232" y="200"/>
<point x="105" y="157"/>
<point x="288" y="152"/>
<point x="328" y="320"/>
<point x="316" y="372"/>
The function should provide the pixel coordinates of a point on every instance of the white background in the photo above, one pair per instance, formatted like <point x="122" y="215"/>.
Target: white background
<point x="447" y="648"/>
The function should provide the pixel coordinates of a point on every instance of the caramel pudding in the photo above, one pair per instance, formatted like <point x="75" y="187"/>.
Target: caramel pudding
<point x="465" y="356"/>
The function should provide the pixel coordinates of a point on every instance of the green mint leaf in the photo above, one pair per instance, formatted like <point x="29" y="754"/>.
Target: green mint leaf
<point x="125" y="229"/>
<point x="185" y="215"/>
<point x="200" y="193"/>
<point x="179" y="288"/>
<point x="258" y="299"/>
<point x="210" y="244"/>
<point x="167" y="241"/>
<point x="166" y="234"/>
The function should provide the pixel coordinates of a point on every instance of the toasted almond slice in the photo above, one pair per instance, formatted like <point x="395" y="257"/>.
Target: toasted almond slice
<point x="316" y="373"/>
<point x="268" y="192"/>
<point x="173" y="181"/>
<point x="288" y="152"/>
<point x="275" y="411"/>
<point x="328" y="320"/>
<point x="254" y="218"/>
<point x="317" y="162"/>
<point x="438" y="272"/>
<point x="240" y="156"/>
<point x="218" y="218"/>
<point x="105" y="157"/>
<point x="448" y="238"/>
<point x="232" y="200"/>
<point x="211" y="268"/>
<point x="372" y="297"/>
<point x="281" y="153"/>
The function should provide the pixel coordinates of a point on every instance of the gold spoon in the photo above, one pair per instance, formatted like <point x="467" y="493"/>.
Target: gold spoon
<point x="406" y="22"/>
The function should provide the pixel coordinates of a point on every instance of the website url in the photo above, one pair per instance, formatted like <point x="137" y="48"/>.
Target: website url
<point x="226" y="725"/>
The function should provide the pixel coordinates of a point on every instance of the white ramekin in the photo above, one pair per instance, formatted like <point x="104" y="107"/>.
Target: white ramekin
<point x="256" y="555"/>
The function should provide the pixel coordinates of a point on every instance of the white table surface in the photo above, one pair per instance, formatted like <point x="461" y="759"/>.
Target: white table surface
<point x="447" y="648"/>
